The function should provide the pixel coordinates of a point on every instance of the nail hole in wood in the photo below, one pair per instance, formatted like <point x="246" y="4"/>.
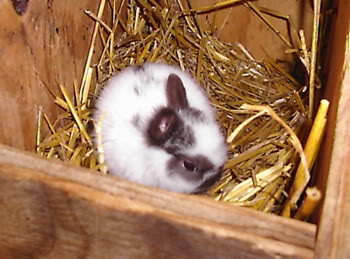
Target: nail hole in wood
<point x="20" y="6"/>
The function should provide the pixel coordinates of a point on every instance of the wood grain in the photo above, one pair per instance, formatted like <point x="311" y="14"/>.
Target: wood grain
<point x="333" y="90"/>
<point x="45" y="46"/>
<point x="53" y="189"/>
<point x="333" y="240"/>
<point x="48" y="217"/>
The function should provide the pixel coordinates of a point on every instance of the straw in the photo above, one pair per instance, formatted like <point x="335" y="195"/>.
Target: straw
<point x="260" y="106"/>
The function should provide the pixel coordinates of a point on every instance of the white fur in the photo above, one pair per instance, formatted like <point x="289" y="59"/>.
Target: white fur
<point x="126" y="153"/>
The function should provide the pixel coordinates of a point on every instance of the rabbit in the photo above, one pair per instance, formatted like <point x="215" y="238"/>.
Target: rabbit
<point x="159" y="129"/>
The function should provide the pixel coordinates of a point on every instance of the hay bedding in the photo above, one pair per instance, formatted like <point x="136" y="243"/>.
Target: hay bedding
<point x="259" y="105"/>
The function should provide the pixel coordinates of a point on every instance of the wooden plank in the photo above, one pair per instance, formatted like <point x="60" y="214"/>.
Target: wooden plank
<point x="333" y="68"/>
<point x="194" y="208"/>
<point x="44" y="216"/>
<point x="45" y="47"/>
<point x="333" y="240"/>
<point x="334" y="174"/>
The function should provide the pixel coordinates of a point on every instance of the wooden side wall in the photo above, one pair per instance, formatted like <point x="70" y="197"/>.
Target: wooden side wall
<point x="45" y="47"/>
<point x="52" y="210"/>
<point x="333" y="240"/>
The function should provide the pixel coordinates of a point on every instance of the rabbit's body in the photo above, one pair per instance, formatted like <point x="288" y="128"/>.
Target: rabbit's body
<point x="153" y="129"/>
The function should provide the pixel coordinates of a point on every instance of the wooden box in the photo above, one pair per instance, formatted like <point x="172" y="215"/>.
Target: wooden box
<point x="49" y="209"/>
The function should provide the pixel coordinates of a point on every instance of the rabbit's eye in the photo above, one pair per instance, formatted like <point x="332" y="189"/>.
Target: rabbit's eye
<point x="189" y="166"/>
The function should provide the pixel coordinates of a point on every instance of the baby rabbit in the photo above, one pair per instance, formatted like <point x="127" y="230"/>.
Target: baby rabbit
<point x="159" y="129"/>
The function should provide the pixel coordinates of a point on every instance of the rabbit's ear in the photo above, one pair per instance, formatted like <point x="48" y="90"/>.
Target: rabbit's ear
<point x="161" y="127"/>
<point x="176" y="93"/>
